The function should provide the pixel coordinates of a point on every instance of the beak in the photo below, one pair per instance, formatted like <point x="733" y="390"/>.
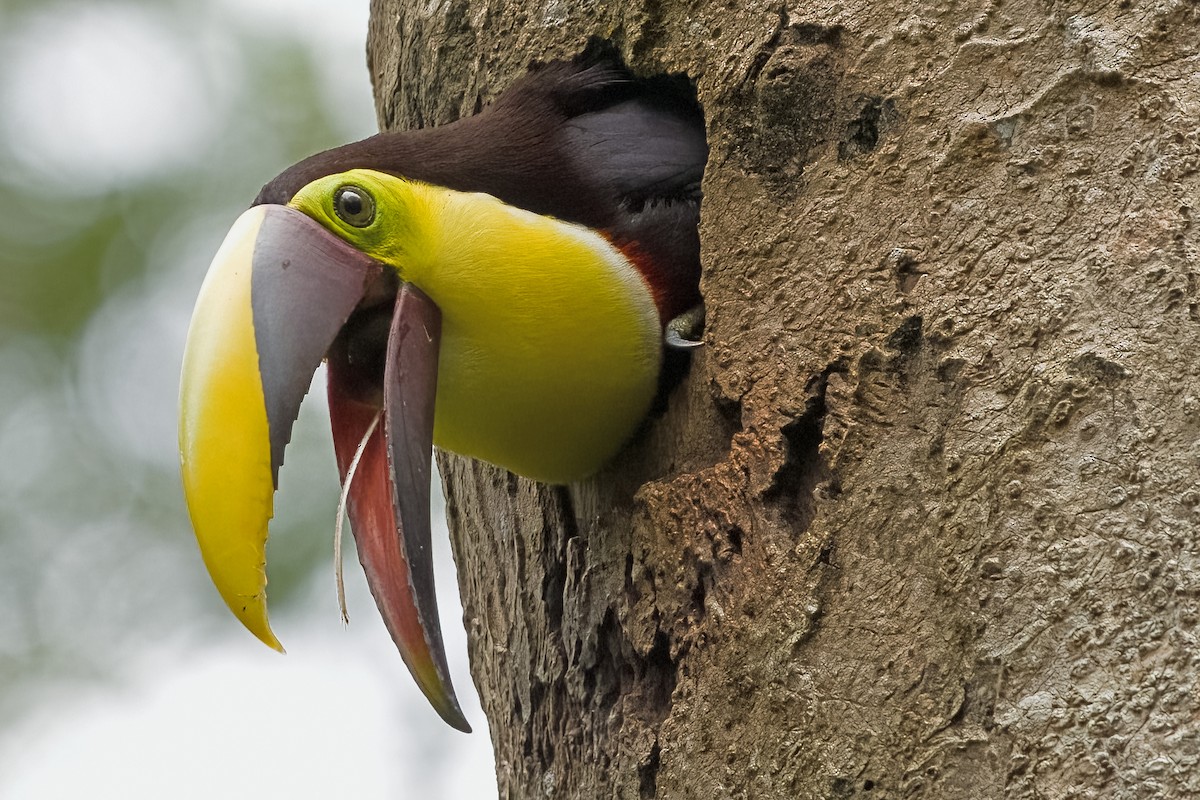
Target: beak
<point x="281" y="294"/>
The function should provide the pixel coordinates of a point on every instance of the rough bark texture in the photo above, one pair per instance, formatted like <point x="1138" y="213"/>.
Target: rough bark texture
<point x="922" y="522"/>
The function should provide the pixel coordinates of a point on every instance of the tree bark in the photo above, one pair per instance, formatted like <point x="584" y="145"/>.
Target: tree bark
<point x="922" y="520"/>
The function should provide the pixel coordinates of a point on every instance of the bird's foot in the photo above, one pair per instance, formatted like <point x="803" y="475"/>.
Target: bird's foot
<point x="684" y="331"/>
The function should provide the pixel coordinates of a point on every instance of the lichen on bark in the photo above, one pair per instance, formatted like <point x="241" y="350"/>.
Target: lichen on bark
<point x="922" y="521"/>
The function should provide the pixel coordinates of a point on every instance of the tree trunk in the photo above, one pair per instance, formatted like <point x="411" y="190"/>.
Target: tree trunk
<point x="922" y="520"/>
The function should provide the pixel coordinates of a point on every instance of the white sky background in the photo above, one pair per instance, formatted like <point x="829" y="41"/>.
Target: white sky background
<point x="102" y="95"/>
<point x="338" y="717"/>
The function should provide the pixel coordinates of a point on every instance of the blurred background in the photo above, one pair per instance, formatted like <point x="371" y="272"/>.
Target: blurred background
<point x="132" y="134"/>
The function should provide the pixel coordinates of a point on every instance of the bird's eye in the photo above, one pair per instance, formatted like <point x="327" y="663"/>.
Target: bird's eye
<point x="354" y="206"/>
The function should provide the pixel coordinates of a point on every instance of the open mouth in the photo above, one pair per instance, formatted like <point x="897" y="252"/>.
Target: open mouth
<point x="282" y="294"/>
<point x="358" y="353"/>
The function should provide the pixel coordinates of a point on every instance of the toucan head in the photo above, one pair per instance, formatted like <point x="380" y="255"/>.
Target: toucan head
<point x="326" y="277"/>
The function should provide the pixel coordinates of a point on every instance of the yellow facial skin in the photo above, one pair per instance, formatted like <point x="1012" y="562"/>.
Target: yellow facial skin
<point x="551" y="341"/>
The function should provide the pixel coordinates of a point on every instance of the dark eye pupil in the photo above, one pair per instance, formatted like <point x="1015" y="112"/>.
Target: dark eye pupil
<point x="354" y="206"/>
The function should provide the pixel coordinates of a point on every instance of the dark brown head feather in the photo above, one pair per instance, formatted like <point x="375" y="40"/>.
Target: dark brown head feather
<point x="585" y="141"/>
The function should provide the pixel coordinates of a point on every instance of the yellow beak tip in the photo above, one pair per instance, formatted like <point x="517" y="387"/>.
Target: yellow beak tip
<point x="261" y="629"/>
<point x="273" y="643"/>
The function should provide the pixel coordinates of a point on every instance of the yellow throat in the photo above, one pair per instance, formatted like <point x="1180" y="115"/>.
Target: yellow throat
<point x="551" y="341"/>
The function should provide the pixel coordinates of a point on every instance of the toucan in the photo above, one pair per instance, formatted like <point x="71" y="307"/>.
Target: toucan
<point x="507" y="287"/>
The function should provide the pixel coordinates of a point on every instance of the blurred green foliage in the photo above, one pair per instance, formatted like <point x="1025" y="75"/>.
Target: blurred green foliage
<point x="97" y="277"/>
